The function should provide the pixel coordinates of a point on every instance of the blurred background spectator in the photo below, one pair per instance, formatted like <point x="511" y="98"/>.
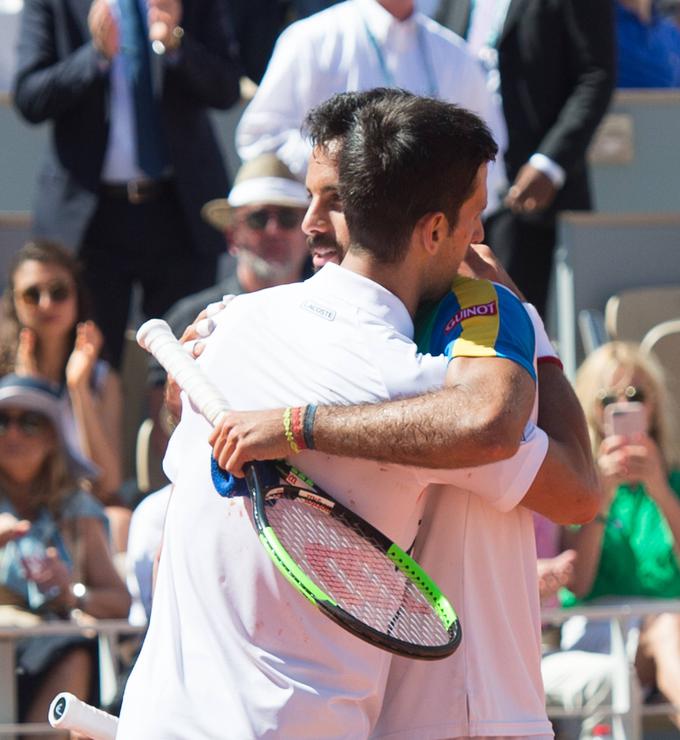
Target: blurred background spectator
<point x="260" y="222"/>
<point x="555" y="565"/>
<point x="146" y="534"/>
<point x="553" y="65"/>
<point x="358" y="45"/>
<point x="630" y="550"/>
<point x="133" y="156"/>
<point x="46" y="331"/>
<point x="648" y="46"/>
<point x="54" y="554"/>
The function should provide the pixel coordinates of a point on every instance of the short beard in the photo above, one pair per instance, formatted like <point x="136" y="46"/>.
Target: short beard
<point x="264" y="270"/>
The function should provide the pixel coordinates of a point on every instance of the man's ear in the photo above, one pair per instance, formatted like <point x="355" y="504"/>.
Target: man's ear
<point x="434" y="228"/>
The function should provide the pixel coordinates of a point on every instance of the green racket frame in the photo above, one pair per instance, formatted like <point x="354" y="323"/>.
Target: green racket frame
<point x="317" y="596"/>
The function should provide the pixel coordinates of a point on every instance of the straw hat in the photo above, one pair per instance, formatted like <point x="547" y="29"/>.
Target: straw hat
<point x="264" y="179"/>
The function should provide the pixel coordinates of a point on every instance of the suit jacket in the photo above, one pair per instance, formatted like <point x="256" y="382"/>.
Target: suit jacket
<point x="60" y="77"/>
<point x="556" y="60"/>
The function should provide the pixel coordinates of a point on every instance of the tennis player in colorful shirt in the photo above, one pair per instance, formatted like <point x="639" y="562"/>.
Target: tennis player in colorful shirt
<point x="477" y="318"/>
<point x="481" y="555"/>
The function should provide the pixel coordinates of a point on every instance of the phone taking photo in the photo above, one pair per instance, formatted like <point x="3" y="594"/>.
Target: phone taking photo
<point x="625" y="419"/>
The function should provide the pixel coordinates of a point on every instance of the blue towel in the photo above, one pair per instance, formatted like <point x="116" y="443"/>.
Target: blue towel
<point x="228" y="486"/>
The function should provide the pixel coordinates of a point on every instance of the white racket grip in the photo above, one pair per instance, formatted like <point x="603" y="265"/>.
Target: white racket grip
<point x="67" y="712"/>
<point x="156" y="337"/>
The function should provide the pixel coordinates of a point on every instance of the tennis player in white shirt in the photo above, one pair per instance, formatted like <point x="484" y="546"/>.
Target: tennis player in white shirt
<point x="231" y="651"/>
<point x="484" y="555"/>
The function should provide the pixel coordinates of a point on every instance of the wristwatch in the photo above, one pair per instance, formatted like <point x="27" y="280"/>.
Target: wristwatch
<point x="79" y="591"/>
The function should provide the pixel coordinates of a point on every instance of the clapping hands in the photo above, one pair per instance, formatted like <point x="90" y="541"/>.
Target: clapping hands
<point x="86" y="349"/>
<point x="103" y="28"/>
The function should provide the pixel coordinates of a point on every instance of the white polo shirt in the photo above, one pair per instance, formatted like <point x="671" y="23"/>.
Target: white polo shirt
<point x="233" y="651"/>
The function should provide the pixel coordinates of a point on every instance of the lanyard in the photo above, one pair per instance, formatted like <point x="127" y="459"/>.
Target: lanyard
<point x="388" y="77"/>
<point x="494" y="31"/>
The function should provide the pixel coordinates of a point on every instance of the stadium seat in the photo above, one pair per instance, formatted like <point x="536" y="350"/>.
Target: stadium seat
<point x="630" y="314"/>
<point x="663" y="340"/>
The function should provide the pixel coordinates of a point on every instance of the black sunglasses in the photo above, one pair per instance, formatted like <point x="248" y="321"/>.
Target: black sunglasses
<point x="57" y="292"/>
<point x="286" y="218"/>
<point x="630" y="393"/>
<point x="31" y="423"/>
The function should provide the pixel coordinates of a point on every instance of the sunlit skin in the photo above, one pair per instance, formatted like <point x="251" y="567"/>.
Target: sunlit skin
<point x="22" y="455"/>
<point x="49" y="318"/>
<point x="400" y="9"/>
<point x="324" y="223"/>
<point x="467" y="230"/>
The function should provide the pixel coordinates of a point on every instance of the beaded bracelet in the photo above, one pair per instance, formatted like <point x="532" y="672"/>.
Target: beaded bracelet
<point x="298" y="437"/>
<point x="288" y="431"/>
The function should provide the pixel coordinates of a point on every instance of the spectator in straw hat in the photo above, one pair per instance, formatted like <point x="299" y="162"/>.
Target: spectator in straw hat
<point x="260" y="220"/>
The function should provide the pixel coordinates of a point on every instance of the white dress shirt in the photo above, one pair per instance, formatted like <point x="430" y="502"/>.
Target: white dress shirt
<point x="121" y="157"/>
<point x="120" y="160"/>
<point x="358" y="45"/>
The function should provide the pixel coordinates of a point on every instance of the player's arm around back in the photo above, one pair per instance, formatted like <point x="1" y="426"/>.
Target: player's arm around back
<point x="565" y="488"/>
<point x="477" y="418"/>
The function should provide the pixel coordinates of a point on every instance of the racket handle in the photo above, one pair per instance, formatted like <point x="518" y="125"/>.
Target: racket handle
<point x="156" y="337"/>
<point x="67" y="712"/>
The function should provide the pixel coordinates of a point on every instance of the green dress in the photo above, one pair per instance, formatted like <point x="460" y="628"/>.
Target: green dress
<point x="637" y="556"/>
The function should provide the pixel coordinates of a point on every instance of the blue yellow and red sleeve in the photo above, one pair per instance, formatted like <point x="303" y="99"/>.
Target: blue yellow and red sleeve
<point x="477" y="318"/>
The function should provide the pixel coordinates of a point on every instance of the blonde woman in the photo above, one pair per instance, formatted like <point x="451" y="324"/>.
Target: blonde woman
<point x="54" y="552"/>
<point x="631" y="549"/>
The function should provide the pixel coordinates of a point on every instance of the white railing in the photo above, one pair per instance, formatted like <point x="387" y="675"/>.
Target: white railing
<point x="626" y="710"/>
<point x="107" y="631"/>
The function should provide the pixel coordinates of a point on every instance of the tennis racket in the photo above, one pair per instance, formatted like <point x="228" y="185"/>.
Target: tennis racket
<point x="342" y="564"/>
<point x="67" y="712"/>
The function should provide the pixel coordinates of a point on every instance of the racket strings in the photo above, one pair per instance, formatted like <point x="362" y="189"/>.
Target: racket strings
<point x="355" y="572"/>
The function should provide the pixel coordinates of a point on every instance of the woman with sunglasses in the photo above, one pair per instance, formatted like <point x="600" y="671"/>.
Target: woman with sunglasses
<point x="54" y="556"/>
<point x="46" y="331"/>
<point x="631" y="549"/>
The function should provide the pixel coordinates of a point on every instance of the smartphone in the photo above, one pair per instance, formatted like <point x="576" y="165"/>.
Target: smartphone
<point x="626" y="419"/>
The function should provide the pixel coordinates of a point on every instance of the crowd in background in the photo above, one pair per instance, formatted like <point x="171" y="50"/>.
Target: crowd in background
<point x="110" y="215"/>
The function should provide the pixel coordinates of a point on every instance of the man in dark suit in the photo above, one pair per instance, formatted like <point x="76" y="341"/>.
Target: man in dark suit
<point x="556" y="64"/>
<point x="133" y="157"/>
